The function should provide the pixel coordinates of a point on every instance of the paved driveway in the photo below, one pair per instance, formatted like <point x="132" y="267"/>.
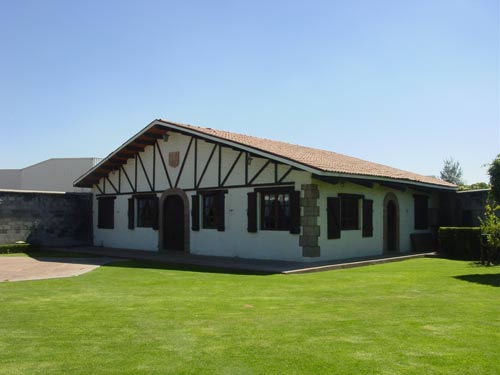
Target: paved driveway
<point x="26" y="268"/>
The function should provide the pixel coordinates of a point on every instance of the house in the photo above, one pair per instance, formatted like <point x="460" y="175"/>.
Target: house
<point x="203" y="191"/>
<point x="55" y="174"/>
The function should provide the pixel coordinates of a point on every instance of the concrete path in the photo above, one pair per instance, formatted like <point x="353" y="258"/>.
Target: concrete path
<point x="26" y="268"/>
<point x="246" y="265"/>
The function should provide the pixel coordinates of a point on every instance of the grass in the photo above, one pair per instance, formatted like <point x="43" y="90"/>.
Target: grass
<point x="423" y="316"/>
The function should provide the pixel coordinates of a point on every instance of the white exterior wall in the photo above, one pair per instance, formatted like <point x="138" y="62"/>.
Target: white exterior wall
<point x="121" y="236"/>
<point x="352" y="243"/>
<point x="235" y="240"/>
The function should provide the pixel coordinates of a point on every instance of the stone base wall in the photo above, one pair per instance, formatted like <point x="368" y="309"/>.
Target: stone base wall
<point x="46" y="219"/>
<point x="309" y="221"/>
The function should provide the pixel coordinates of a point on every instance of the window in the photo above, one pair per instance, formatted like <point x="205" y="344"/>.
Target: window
<point x="213" y="212"/>
<point x="147" y="211"/>
<point x="421" y="211"/>
<point x="275" y="210"/>
<point x="349" y="212"/>
<point x="210" y="211"/>
<point x="106" y="212"/>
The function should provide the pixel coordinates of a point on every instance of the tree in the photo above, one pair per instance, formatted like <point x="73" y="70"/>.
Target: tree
<point x="452" y="172"/>
<point x="475" y="186"/>
<point x="490" y="230"/>
<point x="494" y="172"/>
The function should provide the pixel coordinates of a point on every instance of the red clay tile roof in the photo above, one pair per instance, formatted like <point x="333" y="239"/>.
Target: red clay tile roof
<point x="326" y="161"/>
<point x="317" y="161"/>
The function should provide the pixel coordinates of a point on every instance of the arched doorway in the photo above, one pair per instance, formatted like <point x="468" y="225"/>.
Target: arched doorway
<point x="391" y="223"/>
<point x="174" y="221"/>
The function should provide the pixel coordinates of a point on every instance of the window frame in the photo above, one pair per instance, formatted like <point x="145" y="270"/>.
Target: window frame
<point x="276" y="193"/>
<point x="140" y="220"/>
<point x="214" y="196"/>
<point x="353" y="223"/>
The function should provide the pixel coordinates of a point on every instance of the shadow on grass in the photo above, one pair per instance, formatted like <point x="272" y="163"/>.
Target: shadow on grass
<point x="485" y="279"/>
<point x="183" y="267"/>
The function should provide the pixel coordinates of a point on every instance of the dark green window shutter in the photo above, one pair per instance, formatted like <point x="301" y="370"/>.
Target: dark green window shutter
<point x="156" y="212"/>
<point x="195" y="212"/>
<point x="295" y="212"/>
<point x="333" y="217"/>
<point x="421" y="211"/>
<point x="367" y="218"/>
<point x="131" y="216"/>
<point x="221" y="211"/>
<point x="252" y="212"/>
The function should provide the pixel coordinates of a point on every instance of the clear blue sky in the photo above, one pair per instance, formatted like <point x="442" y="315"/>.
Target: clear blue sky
<point x="403" y="83"/>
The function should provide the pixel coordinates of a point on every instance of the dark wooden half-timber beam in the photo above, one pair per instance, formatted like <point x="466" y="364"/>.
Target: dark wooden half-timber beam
<point x="183" y="162"/>
<point x="164" y="165"/>
<point x="206" y="166"/>
<point x="112" y="185"/>
<point x="285" y="175"/>
<point x="99" y="188"/>
<point x="232" y="167"/>
<point x="145" y="173"/>
<point x="128" y="179"/>
<point x="259" y="171"/>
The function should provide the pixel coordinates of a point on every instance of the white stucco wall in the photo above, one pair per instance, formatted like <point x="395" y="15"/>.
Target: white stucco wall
<point x="236" y="241"/>
<point x="352" y="243"/>
<point x="121" y="236"/>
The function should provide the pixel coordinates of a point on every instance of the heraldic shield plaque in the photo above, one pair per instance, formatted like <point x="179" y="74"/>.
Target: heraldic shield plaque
<point x="173" y="159"/>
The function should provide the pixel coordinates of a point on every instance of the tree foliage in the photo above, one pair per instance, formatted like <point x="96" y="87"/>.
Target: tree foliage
<point x="494" y="172"/>
<point x="452" y="172"/>
<point x="475" y="186"/>
<point x="490" y="228"/>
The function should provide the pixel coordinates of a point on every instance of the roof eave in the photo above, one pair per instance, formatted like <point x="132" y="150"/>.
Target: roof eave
<point x="387" y="179"/>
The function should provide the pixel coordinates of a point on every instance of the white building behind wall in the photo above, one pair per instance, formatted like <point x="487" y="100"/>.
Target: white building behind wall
<point x="55" y="174"/>
<point x="176" y="187"/>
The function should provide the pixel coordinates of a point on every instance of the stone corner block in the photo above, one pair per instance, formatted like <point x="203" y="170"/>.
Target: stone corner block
<point x="311" y="251"/>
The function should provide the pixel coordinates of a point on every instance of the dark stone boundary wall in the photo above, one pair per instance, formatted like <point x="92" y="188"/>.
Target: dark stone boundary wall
<point x="46" y="218"/>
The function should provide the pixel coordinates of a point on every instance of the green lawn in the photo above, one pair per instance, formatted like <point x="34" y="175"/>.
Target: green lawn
<point x="424" y="316"/>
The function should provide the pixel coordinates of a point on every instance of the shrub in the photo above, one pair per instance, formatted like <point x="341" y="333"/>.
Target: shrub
<point x="460" y="243"/>
<point x="15" y="248"/>
<point x="490" y="228"/>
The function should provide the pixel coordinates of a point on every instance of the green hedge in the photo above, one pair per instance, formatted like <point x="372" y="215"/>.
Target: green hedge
<point x="15" y="248"/>
<point x="460" y="242"/>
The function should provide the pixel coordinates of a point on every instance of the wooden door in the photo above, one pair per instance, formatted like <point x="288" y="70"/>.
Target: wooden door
<point x="173" y="223"/>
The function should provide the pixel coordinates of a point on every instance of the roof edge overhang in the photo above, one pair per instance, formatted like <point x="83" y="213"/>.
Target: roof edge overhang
<point x="81" y="181"/>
